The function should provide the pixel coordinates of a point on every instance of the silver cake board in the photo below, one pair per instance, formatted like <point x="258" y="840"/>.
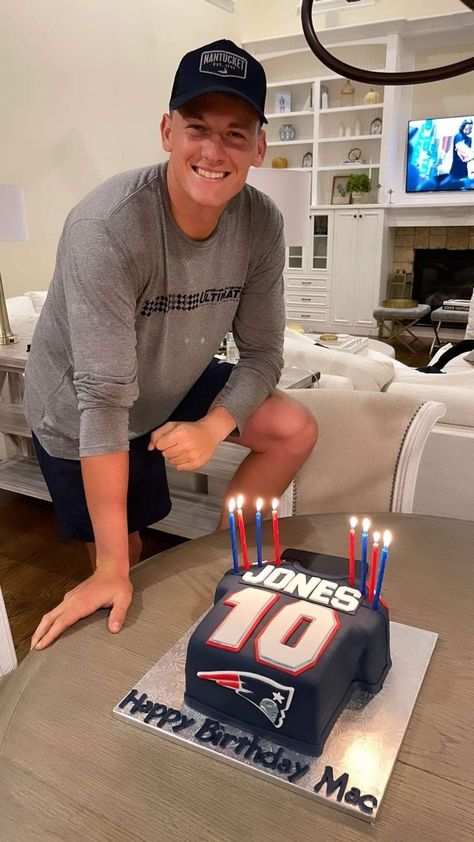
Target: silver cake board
<point x="353" y="771"/>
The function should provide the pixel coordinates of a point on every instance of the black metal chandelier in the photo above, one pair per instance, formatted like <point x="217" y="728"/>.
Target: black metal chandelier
<point x="373" y="77"/>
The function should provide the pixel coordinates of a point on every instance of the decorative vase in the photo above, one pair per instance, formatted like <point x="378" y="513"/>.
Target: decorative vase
<point x="347" y="93"/>
<point x="372" y="97"/>
<point x="324" y="97"/>
<point x="279" y="163"/>
<point x="287" y="131"/>
<point x="340" y="131"/>
<point x="359" y="198"/>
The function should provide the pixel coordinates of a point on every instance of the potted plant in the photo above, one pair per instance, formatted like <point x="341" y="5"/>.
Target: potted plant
<point x="358" y="185"/>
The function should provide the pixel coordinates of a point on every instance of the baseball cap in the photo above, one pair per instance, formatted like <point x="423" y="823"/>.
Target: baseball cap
<point x="220" y="67"/>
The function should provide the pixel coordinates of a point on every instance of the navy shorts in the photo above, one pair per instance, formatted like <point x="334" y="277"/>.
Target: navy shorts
<point x="148" y="498"/>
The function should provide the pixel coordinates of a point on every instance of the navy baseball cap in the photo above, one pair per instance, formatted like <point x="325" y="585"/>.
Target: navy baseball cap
<point x="220" y="67"/>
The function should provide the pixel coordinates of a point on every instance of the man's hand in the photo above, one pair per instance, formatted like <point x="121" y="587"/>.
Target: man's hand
<point x="190" y="444"/>
<point x="104" y="589"/>
<point x="186" y="444"/>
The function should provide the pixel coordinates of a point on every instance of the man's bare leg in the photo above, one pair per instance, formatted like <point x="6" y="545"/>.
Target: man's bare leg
<point x="281" y="434"/>
<point x="134" y="549"/>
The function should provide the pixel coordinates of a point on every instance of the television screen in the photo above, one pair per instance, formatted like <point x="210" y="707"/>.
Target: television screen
<point x="440" y="155"/>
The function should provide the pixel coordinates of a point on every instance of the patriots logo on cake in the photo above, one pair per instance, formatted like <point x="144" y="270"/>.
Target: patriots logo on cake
<point x="272" y="698"/>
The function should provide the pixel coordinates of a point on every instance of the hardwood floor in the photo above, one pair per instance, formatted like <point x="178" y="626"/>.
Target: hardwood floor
<point x="420" y="356"/>
<point x="37" y="568"/>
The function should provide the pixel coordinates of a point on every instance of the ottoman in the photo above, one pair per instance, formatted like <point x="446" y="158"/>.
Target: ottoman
<point x="442" y="315"/>
<point x="395" y="322"/>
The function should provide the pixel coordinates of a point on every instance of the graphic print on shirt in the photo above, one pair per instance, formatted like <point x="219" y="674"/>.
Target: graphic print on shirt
<point x="190" y="301"/>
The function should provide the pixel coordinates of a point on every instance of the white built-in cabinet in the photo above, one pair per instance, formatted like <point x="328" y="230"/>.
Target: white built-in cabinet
<point x="357" y="269"/>
<point x="308" y="275"/>
<point x="336" y="279"/>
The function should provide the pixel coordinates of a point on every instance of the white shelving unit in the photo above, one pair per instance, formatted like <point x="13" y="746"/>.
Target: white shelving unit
<point x="316" y="276"/>
<point x="298" y="75"/>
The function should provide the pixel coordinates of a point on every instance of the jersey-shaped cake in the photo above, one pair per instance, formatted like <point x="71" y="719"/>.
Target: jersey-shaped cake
<point x="283" y="649"/>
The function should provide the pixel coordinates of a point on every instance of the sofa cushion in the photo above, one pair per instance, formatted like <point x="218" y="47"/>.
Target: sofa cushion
<point x="459" y="402"/>
<point x="365" y="374"/>
<point x="460" y="374"/>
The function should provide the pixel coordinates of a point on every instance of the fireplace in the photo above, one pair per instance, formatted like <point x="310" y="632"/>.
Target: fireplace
<point x="439" y="274"/>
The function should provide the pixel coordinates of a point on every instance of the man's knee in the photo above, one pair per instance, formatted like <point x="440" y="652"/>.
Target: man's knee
<point x="286" y="424"/>
<point x="300" y="427"/>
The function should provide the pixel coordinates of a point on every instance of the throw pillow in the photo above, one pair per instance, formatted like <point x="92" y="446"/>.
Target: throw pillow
<point x="365" y="374"/>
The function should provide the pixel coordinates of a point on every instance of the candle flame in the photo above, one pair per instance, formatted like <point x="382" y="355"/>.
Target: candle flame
<point x="231" y="504"/>
<point x="274" y="505"/>
<point x="353" y="522"/>
<point x="376" y="537"/>
<point x="259" y="504"/>
<point x="240" y="502"/>
<point x="366" y="524"/>
<point x="387" y="537"/>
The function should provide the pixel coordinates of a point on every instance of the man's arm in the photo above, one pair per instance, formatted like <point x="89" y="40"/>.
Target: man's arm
<point x="105" y="483"/>
<point x="190" y="444"/>
<point x="259" y="322"/>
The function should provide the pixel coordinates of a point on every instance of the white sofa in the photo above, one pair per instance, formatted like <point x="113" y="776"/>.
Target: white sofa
<point x="445" y="483"/>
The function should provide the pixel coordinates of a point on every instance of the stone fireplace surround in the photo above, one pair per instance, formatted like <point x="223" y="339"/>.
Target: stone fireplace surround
<point x="407" y="239"/>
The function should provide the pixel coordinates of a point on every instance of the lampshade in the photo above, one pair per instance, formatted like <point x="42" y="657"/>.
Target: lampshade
<point x="12" y="229"/>
<point x="12" y="213"/>
<point x="290" y="190"/>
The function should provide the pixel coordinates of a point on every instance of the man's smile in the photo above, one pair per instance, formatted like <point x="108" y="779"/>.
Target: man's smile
<point x="209" y="174"/>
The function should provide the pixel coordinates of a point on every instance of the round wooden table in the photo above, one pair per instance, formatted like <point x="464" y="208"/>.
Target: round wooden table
<point x="71" y="771"/>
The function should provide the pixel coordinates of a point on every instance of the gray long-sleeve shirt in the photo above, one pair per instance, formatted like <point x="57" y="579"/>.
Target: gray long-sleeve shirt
<point x="136" y="310"/>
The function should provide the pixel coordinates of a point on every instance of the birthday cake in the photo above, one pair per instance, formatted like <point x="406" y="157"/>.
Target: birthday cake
<point x="285" y="648"/>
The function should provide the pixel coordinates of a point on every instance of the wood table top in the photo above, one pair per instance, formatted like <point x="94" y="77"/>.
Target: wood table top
<point x="69" y="770"/>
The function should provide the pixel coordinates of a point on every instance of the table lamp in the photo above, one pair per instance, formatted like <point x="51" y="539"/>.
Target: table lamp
<point x="12" y="229"/>
<point x="291" y="192"/>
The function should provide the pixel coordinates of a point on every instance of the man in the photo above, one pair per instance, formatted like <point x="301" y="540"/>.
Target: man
<point x="153" y="268"/>
<point x="463" y="153"/>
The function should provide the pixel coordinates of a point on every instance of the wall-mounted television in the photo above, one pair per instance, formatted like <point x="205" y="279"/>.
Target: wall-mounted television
<point x="440" y="155"/>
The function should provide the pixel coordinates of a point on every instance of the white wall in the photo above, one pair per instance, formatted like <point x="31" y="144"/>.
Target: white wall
<point x="449" y="98"/>
<point x="266" y="18"/>
<point x="83" y="85"/>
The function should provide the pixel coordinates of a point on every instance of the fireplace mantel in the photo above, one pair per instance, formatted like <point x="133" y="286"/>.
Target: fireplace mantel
<point x="430" y="215"/>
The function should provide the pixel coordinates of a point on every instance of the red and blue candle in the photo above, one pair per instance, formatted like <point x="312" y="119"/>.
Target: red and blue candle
<point x="233" y="536"/>
<point x="387" y="537"/>
<point x="363" y="558"/>
<point x="243" y="539"/>
<point x="373" y="565"/>
<point x="276" y="533"/>
<point x="258" y="528"/>
<point x="353" y="523"/>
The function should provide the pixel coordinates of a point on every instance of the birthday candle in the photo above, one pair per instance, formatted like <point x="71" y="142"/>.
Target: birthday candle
<point x="276" y="534"/>
<point x="353" y="523"/>
<point x="258" y="523"/>
<point x="383" y="560"/>
<point x="363" y="559"/>
<point x="233" y="536"/>
<point x="243" y="540"/>
<point x="373" y="564"/>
